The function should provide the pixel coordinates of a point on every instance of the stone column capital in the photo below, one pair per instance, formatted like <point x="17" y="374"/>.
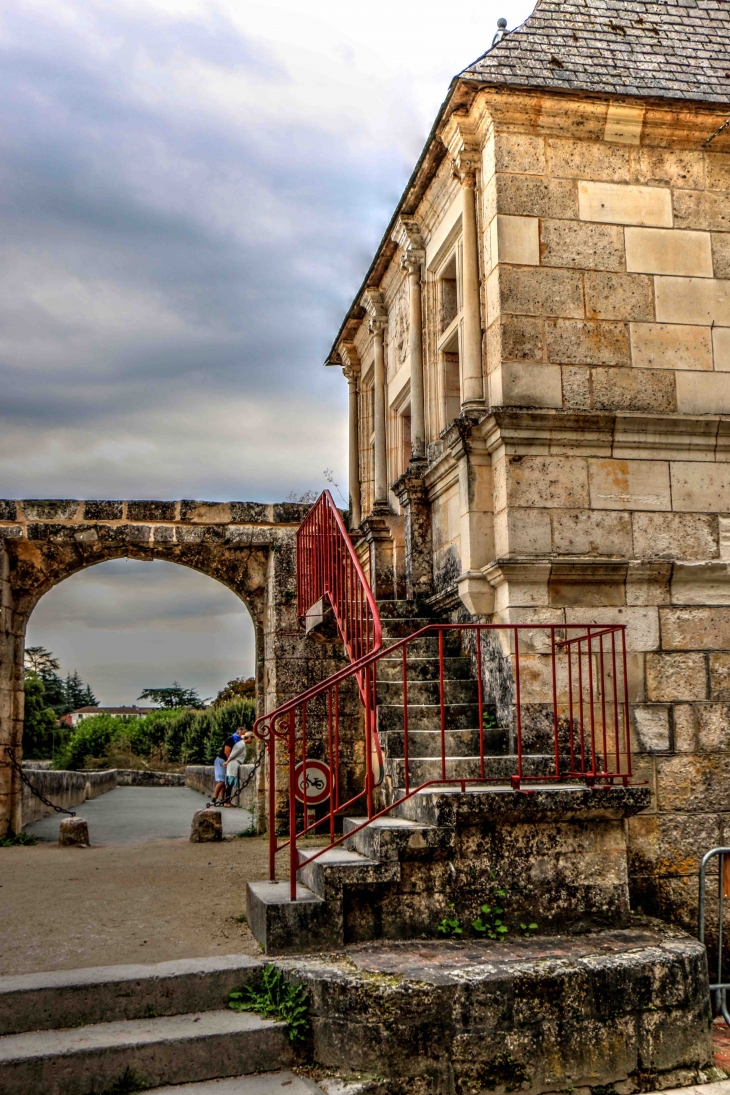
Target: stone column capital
<point x="350" y="361"/>
<point x="462" y="142"/>
<point x="407" y="234"/>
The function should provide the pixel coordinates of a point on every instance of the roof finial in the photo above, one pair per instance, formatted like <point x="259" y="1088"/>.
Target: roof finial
<point x="501" y="31"/>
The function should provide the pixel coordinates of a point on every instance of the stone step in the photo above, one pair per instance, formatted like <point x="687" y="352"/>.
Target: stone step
<point x="395" y="838"/>
<point x="174" y="1049"/>
<point x="267" y="1083"/>
<point x="424" y="668"/>
<point x="283" y="926"/>
<point x="428" y="645"/>
<point x="423" y="769"/>
<point x="399" y="628"/>
<point x="458" y="743"/>
<point x="339" y="867"/>
<point x="399" y="609"/>
<point x="425" y="692"/>
<point x="427" y="716"/>
<point x="72" y="998"/>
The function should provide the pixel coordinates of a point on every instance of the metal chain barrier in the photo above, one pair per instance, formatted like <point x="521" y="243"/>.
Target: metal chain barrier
<point x="242" y="786"/>
<point x="34" y="790"/>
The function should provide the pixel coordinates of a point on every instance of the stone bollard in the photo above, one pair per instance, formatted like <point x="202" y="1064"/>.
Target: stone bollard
<point x="73" y="833"/>
<point x="207" y="825"/>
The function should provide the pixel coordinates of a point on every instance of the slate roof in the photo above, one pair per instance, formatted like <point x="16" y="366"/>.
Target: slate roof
<point x="668" y="49"/>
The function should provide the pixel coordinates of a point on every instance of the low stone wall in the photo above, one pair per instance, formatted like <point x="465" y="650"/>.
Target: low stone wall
<point x="132" y="777"/>
<point x="201" y="777"/>
<point x="66" y="789"/>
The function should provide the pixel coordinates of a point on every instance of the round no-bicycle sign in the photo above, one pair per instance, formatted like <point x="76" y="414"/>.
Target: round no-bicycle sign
<point x="319" y="782"/>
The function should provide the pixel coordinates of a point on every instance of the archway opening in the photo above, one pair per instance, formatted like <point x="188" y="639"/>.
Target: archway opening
<point x="123" y="627"/>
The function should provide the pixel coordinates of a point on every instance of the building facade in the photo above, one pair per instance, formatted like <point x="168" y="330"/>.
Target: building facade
<point x="539" y="377"/>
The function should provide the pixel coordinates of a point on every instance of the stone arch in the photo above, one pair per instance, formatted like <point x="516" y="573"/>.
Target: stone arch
<point x="248" y="547"/>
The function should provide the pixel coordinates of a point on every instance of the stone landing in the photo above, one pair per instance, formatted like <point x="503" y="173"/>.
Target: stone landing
<point x="617" y="1012"/>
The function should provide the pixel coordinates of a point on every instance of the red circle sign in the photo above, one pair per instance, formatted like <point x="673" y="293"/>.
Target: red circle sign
<point x="319" y="780"/>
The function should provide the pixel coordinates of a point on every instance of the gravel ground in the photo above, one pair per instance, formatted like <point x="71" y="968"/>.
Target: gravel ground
<point x="115" y="903"/>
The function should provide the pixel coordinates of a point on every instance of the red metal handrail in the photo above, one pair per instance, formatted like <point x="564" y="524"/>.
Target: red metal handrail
<point x="328" y="568"/>
<point x="572" y="676"/>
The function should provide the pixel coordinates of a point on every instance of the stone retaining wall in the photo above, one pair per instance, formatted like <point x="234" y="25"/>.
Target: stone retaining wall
<point x="201" y="777"/>
<point x="132" y="777"/>
<point x="66" y="789"/>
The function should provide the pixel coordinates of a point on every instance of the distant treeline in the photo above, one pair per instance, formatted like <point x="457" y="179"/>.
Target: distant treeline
<point x="163" y="739"/>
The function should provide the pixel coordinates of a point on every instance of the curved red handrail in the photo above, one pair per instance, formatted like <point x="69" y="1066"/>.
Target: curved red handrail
<point x="328" y="568"/>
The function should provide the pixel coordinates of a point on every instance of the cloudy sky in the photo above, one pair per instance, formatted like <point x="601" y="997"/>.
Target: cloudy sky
<point x="190" y="194"/>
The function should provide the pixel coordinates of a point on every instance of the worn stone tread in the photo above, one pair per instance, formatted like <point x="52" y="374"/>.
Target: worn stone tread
<point x="269" y="1083"/>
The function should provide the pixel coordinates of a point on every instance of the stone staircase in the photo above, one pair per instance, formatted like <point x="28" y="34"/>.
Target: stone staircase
<point x="393" y="879"/>
<point x="80" y="1032"/>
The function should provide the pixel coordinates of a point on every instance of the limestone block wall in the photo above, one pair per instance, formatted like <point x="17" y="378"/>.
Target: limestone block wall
<point x="65" y="789"/>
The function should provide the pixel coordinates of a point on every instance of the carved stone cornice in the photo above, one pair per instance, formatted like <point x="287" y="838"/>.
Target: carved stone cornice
<point x="460" y="135"/>
<point x="373" y="301"/>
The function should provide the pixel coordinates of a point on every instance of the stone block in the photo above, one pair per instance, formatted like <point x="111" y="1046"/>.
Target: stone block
<point x="724" y="537"/>
<point x="721" y="254"/>
<point x="706" y="583"/>
<point x="103" y="511"/>
<point x="721" y="348"/>
<point x="670" y="346"/>
<point x="206" y="513"/>
<point x="537" y="291"/>
<point x="663" y="167"/>
<point x="719" y="676"/>
<point x="11" y="532"/>
<point x="258" y="512"/>
<point x="698" y="784"/>
<point x="607" y="203"/>
<point x="703" y="393"/>
<point x="588" y="160"/>
<point x="669" y="251"/>
<point x="619" y="296"/>
<point x="706" y="210"/>
<point x="522" y="339"/>
<point x="207" y="826"/>
<point x="164" y="534"/>
<point x="50" y="531"/>
<point x="73" y="832"/>
<point x="629" y="484"/>
<point x="138" y="534"/>
<point x="40" y="509"/>
<point x="581" y="245"/>
<point x="543" y="481"/>
<point x="718" y="171"/>
<point x="519" y="384"/>
<point x="8" y="510"/>
<point x="535" y="196"/>
<point x="675" y="536"/>
<point x="651" y="728"/>
<point x="151" y="511"/>
<point x="519" y="153"/>
<point x="704" y="301"/>
<point x="576" y="387"/>
<point x="685" y="728"/>
<point x="672" y="677"/>
<point x="633" y="390"/>
<point x="583" y="532"/>
<point x="515" y="240"/>
<point x="624" y="122"/>
<point x="522" y="532"/>
<point x="713" y="722"/>
<point x="695" y="628"/>
<point x="577" y="342"/>
<point x="699" y="486"/>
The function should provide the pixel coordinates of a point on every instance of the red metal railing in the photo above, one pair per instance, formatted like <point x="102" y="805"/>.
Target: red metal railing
<point x="565" y="712"/>
<point x="328" y="568"/>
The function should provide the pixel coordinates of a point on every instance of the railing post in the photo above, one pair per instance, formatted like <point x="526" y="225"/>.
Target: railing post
<point x="273" y="841"/>
<point x="293" y="858"/>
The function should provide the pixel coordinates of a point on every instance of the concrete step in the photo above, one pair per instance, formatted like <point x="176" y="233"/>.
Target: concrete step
<point x="427" y="716"/>
<point x="459" y="743"/>
<point x="175" y="1049"/>
<point x="339" y="867"/>
<point x="424" y="692"/>
<point x="72" y="998"/>
<point x="283" y="926"/>
<point x="391" y="838"/>
<point x="424" y="668"/>
<point x="269" y="1083"/>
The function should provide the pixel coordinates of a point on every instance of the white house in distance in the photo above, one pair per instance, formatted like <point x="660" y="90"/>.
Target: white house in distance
<point x="81" y="713"/>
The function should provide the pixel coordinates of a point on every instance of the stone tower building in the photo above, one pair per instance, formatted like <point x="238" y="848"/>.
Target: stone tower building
<point x="539" y="373"/>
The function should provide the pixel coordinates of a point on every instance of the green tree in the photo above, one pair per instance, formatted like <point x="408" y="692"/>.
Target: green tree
<point x="39" y="721"/>
<point x="238" y="688"/>
<point x="78" y="694"/>
<point x="174" y="696"/>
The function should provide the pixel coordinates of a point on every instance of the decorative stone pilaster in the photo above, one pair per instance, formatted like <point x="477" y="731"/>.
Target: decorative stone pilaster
<point x="382" y="547"/>
<point x="460" y="139"/>
<point x="351" y="372"/>
<point x="476" y="503"/>
<point x="411" y="491"/>
<point x="408" y="237"/>
<point x="372" y="301"/>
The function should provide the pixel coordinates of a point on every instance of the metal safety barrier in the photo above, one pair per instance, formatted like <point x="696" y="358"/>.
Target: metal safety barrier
<point x="718" y="989"/>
